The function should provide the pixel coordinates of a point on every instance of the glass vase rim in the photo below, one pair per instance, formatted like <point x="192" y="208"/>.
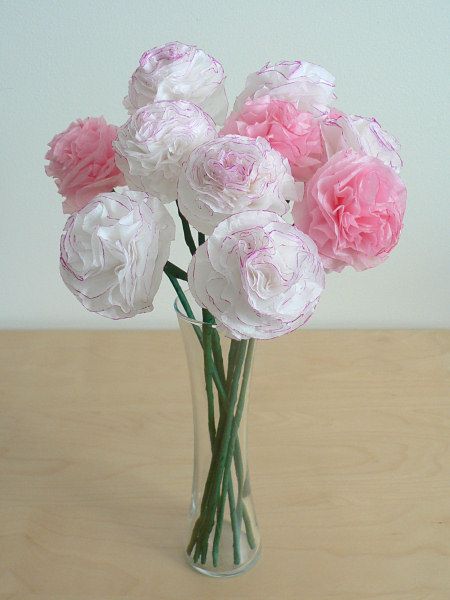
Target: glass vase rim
<point x="179" y="310"/>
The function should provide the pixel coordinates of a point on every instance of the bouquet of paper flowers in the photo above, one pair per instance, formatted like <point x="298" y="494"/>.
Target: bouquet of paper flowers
<point x="282" y="190"/>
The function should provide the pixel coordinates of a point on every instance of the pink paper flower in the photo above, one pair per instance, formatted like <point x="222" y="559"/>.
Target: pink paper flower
<point x="82" y="162"/>
<point x="294" y="133"/>
<point x="353" y="209"/>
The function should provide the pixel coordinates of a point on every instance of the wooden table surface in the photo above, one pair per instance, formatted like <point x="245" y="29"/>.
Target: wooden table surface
<point x="349" y="452"/>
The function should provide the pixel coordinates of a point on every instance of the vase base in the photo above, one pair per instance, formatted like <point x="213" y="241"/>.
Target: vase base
<point x="219" y="572"/>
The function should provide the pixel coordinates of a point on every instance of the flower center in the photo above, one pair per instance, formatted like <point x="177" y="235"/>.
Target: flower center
<point x="230" y="170"/>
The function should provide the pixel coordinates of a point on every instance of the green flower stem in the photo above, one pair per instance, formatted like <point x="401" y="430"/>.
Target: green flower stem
<point x="207" y="364"/>
<point x="241" y="509"/>
<point x="240" y="480"/>
<point x="231" y="360"/>
<point x="235" y="520"/>
<point x="175" y="271"/>
<point x="235" y="528"/>
<point x="211" y="343"/>
<point x="187" y="232"/>
<point x="221" y="382"/>
<point x="181" y="295"/>
<point x="249" y="528"/>
<point x="218" y="358"/>
<point x="204" y="337"/>
<point x="187" y="308"/>
<point x="224" y="470"/>
<point x="207" y="488"/>
<point x="209" y="502"/>
<point x="233" y="432"/>
<point x="205" y="521"/>
<point x="184" y="302"/>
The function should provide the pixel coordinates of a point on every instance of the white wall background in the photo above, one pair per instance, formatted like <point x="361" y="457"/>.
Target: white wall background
<point x="68" y="59"/>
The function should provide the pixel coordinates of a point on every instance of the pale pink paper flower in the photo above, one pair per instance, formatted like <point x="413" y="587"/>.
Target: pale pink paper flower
<point x="82" y="162"/>
<point x="153" y="144"/>
<point x="259" y="276"/>
<point x="353" y="209"/>
<point x="177" y="71"/>
<point x="231" y="174"/>
<point x="363" y="134"/>
<point x="295" y="134"/>
<point x="113" y="253"/>
<point x="308" y="86"/>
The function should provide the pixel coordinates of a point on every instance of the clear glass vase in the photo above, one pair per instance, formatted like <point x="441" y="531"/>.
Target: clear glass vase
<point x="223" y="538"/>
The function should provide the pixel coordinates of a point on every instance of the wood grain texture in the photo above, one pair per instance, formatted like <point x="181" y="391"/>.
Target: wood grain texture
<point x="349" y="450"/>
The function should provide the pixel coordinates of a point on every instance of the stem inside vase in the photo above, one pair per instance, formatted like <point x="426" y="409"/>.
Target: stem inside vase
<point x="224" y="539"/>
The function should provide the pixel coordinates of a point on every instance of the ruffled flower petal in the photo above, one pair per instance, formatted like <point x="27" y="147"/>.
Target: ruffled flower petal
<point x="155" y="142"/>
<point x="295" y="134"/>
<point x="307" y="86"/>
<point x="259" y="276"/>
<point x="82" y="162"/>
<point x="177" y="71"/>
<point x="232" y="174"/>
<point x="353" y="209"/>
<point x="363" y="134"/>
<point x="113" y="253"/>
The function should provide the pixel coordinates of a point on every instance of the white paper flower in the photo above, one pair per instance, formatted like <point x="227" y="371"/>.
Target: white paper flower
<point x="309" y="87"/>
<point x="152" y="145"/>
<point x="363" y="134"/>
<point x="177" y="71"/>
<point x="258" y="276"/>
<point x="113" y="252"/>
<point x="231" y="174"/>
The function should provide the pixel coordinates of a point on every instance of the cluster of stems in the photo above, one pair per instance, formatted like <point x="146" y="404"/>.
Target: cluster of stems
<point x="225" y="449"/>
<point x="230" y="388"/>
